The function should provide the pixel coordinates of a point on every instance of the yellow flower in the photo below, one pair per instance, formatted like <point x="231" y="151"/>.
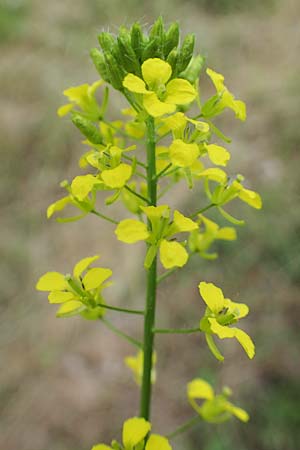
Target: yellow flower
<point x="220" y="313"/>
<point x="82" y="97"/>
<point x="223" y="99"/>
<point x="172" y="253"/>
<point x="160" y="96"/>
<point x="136" y="363"/>
<point x="77" y="294"/>
<point x="214" y="408"/>
<point x="135" y="431"/>
<point x="200" y="241"/>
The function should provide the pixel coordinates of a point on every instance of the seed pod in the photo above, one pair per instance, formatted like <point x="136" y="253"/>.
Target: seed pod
<point x="87" y="128"/>
<point x="106" y="42"/>
<point x="186" y="52"/>
<point x="192" y="72"/>
<point x="151" y="50"/>
<point x="127" y="54"/>
<point x="171" y="38"/>
<point x="137" y="40"/>
<point x="99" y="62"/>
<point x="115" y="72"/>
<point x="172" y="60"/>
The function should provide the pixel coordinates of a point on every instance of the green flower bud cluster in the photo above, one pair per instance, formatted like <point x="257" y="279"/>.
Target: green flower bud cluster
<point x="126" y="52"/>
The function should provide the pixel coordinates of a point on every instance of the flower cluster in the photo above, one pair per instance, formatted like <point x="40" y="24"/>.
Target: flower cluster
<point x="214" y="408"/>
<point x="77" y="293"/>
<point x="135" y="437"/>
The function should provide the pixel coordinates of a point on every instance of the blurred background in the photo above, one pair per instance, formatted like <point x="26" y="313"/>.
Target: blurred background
<point x="63" y="384"/>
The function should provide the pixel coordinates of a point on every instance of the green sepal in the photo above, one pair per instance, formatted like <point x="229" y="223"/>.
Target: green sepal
<point x="213" y="348"/>
<point x="93" y="313"/>
<point x="115" y="445"/>
<point x="151" y="253"/>
<point x="87" y="128"/>
<point x="172" y="38"/>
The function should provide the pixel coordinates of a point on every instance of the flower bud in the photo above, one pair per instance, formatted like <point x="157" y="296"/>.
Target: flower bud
<point x="151" y="50"/>
<point x="126" y="52"/>
<point x="99" y="62"/>
<point x="106" y="42"/>
<point x="137" y="40"/>
<point x="192" y="72"/>
<point x="186" y="52"/>
<point x="172" y="60"/>
<point x="171" y="39"/>
<point x="115" y="71"/>
<point x="87" y="129"/>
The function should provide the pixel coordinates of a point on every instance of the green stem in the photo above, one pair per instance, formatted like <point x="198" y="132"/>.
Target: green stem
<point x="121" y="334"/>
<point x="192" y="216"/>
<point x="109" y="219"/>
<point x="184" y="427"/>
<point x="165" y="275"/>
<point x="176" y="330"/>
<point x="125" y="310"/>
<point x="163" y="171"/>
<point x="139" y="163"/>
<point x="137" y="194"/>
<point x="151" y="281"/>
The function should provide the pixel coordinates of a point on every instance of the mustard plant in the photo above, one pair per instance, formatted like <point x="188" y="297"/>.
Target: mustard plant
<point x="166" y="135"/>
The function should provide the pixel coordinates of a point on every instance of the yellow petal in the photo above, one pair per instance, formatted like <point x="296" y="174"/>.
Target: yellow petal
<point x="182" y="154"/>
<point x="134" y="431"/>
<point x="217" y="154"/>
<point x="240" y="413"/>
<point x="155" y="107"/>
<point x="172" y="254"/>
<point x="70" y="308"/>
<point x="76" y="93"/>
<point x="52" y="281"/>
<point x="156" y="71"/>
<point x="214" y="174"/>
<point x="251" y="197"/>
<point x="174" y="122"/>
<point x="59" y="205"/>
<point x="60" y="296"/>
<point x="224" y="332"/>
<point x="83" y="264"/>
<point x="180" y="92"/>
<point x="199" y="388"/>
<point x="226" y="234"/>
<point x="156" y="212"/>
<point x="238" y="309"/>
<point x="117" y="178"/>
<point x="95" y="277"/>
<point x="65" y="109"/>
<point x="181" y="224"/>
<point x="217" y="79"/>
<point x="82" y="185"/>
<point x="134" y="84"/>
<point x="212" y="296"/>
<point x="157" y="442"/>
<point x="131" y="231"/>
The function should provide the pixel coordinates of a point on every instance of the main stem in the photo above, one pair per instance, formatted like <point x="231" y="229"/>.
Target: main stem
<point x="151" y="281"/>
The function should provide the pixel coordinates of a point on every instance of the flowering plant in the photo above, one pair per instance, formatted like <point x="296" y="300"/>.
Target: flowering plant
<point x="165" y="135"/>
